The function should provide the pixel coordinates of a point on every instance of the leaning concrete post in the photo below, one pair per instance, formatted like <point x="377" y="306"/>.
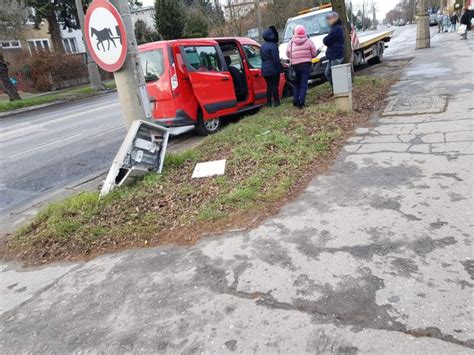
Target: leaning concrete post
<point x="130" y="80"/>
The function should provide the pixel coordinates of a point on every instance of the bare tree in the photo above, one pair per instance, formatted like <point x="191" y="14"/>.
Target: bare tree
<point x="277" y="12"/>
<point x="237" y="18"/>
<point x="404" y="10"/>
<point x="12" y="20"/>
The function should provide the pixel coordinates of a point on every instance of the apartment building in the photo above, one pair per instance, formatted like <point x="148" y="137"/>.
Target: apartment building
<point x="15" y="39"/>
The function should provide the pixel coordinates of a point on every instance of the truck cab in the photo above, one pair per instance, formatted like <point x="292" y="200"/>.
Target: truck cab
<point x="314" y="20"/>
<point x="369" y="47"/>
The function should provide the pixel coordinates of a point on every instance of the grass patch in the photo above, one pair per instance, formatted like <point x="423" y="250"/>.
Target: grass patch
<point x="270" y="155"/>
<point x="28" y="102"/>
<point x="63" y="95"/>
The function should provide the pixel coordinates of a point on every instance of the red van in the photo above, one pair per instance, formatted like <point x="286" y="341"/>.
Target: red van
<point x="198" y="81"/>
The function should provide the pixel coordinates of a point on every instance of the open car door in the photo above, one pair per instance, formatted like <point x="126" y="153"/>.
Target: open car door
<point x="254" y="61"/>
<point x="212" y="83"/>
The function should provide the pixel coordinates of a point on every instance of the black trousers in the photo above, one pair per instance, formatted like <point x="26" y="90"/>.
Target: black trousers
<point x="272" y="89"/>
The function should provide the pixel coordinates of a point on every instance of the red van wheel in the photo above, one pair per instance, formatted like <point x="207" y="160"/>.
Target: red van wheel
<point x="204" y="128"/>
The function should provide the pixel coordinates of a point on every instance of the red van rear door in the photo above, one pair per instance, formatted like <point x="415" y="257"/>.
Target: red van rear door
<point x="212" y="83"/>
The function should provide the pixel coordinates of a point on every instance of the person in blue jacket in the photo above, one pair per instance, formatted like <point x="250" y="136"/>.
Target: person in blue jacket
<point x="271" y="66"/>
<point x="334" y="42"/>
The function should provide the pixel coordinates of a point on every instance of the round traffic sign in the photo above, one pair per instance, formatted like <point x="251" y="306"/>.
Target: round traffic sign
<point x="105" y="35"/>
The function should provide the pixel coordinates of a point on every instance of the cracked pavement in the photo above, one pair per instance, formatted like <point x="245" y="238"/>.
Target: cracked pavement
<point x="374" y="257"/>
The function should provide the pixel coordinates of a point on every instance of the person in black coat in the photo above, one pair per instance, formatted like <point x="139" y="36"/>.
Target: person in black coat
<point x="454" y="22"/>
<point x="8" y="86"/>
<point x="334" y="42"/>
<point x="466" y="20"/>
<point x="271" y="66"/>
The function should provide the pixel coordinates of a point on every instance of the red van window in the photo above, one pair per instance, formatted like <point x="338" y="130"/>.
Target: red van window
<point x="252" y="52"/>
<point x="153" y="64"/>
<point x="202" y="58"/>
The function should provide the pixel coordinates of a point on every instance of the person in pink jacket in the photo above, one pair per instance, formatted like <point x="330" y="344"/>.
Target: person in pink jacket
<point x="301" y="51"/>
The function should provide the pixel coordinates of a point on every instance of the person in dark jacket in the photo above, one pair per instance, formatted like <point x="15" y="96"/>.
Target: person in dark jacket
<point x="466" y="20"/>
<point x="334" y="42"/>
<point x="5" y="79"/>
<point x="454" y="21"/>
<point x="271" y="66"/>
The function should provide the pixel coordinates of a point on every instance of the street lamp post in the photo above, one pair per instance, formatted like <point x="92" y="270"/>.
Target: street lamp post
<point x="423" y="26"/>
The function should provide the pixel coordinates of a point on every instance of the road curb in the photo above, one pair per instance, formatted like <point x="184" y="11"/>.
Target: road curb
<point x="13" y="113"/>
<point x="26" y="213"/>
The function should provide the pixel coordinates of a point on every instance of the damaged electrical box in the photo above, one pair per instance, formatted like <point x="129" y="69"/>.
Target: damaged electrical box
<point x="142" y="151"/>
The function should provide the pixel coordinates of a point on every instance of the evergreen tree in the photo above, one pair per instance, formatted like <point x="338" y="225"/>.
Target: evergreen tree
<point x="144" y="34"/>
<point x="210" y="11"/>
<point x="196" y="25"/>
<point x="170" y="18"/>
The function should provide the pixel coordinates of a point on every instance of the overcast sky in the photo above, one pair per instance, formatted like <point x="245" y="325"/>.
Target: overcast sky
<point x="383" y="6"/>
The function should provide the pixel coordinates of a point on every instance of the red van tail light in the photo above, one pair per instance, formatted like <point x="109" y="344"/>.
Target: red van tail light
<point x="174" y="79"/>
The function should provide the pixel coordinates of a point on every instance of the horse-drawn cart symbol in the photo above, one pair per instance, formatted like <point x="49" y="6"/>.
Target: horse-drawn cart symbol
<point x="105" y="35"/>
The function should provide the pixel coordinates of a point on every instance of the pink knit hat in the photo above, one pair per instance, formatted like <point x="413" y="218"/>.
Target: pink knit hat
<point x="300" y="30"/>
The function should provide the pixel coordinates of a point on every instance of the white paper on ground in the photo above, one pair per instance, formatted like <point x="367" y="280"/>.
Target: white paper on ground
<point x="210" y="168"/>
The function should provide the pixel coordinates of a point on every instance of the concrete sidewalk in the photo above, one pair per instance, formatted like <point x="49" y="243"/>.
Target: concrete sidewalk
<point x="375" y="256"/>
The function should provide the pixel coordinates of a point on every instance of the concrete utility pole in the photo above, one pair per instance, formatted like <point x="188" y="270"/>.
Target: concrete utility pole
<point x="374" y="15"/>
<point x="352" y="13"/>
<point x="130" y="80"/>
<point x="423" y="26"/>
<point x="363" y="16"/>
<point x="259" y="19"/>
<point x="92" y="69"/>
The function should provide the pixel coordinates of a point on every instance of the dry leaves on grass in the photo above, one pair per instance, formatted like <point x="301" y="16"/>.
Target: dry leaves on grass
<point x="270" y="157"/>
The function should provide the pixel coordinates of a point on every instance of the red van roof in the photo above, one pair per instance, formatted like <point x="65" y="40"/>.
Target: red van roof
<point x="190" y="41"/>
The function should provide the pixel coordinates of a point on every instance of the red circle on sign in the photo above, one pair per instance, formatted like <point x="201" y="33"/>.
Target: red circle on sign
<point x="104" y="4"/>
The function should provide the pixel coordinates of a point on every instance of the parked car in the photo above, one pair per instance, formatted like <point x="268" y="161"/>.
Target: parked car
<point x="199" y="81"/>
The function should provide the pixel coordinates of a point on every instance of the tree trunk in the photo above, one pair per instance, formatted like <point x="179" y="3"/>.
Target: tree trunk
<point x="339" y="6"/>
<point x="55" y="32"/>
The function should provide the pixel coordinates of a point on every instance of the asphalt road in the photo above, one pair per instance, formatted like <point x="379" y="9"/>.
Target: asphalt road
<point x="44" y="152"/>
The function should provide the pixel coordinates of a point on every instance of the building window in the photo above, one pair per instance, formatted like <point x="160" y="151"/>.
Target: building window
<point x="38" y="45"/>
<point x="70" y="45"/>
<point x="10" y="44"/>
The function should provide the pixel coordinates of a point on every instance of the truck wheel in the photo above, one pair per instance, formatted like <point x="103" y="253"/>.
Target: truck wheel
<point x="357" y="58"/>
<point x="379" y="58"/>
<point x="205" y="128"/>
